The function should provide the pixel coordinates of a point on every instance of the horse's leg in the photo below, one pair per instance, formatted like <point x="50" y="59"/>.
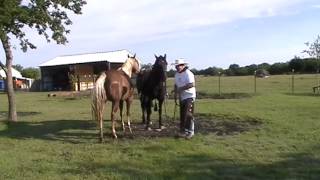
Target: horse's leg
<point x="101" y="129"/>
<point x="115" y="106"/>
<point x="121" y="110"/>
<point x="128" y="103"/>
<point x="160" y="113"/>
<point x="143" y="109"/>
<point x="148" y="107"/>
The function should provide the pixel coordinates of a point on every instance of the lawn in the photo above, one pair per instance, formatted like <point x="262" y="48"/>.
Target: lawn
<point x="270" y="134"/>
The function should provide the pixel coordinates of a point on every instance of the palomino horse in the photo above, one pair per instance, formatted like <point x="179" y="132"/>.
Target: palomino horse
<point x="115" y="86"/>
<point x="151" y="84"/>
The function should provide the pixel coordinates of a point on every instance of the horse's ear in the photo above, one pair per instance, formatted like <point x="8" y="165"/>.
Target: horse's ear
<point x="128" y="55"/>
<point x="134" y="56"/>
<point x="165" y="56"/>
<point x="156" y="56"/>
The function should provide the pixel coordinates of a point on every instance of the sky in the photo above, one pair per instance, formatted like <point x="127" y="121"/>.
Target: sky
<point x="205" y="33"/>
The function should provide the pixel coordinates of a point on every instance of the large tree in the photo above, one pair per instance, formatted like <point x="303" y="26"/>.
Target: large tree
<point x="314" y="50"/>
<point x="33" y="73"/>
<point x="48" y="17"/>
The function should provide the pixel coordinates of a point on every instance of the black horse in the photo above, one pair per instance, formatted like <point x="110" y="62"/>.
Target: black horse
<point x="151" y="84"/>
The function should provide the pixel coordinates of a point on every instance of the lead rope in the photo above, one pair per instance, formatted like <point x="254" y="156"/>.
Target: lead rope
<point x="165" y="99"/>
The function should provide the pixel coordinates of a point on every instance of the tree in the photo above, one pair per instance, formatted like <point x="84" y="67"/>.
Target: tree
<point x="18" y="67"/>
<point x="310" y="65"/>
<point x="171" y="73"/>
<point x="233" y="69"/>
<point x="33" y="73"/>
<point x="146" y="66"/>
<point x="314" y="51"/>
<point x="297" y="64"/>
<point x="251" y="68"/>
<point x="265" y="66"/>
<point x="279" y="68"/>
<point x="47" y="17"/>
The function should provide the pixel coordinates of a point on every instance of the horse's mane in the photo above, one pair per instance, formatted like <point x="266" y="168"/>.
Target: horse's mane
<point x="127" y="66"/>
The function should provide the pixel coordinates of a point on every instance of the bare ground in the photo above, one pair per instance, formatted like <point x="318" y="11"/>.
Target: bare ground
<point x="204" y="124"/>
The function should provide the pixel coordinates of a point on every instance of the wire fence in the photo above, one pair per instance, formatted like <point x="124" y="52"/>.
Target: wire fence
<point x="289" y="84"/>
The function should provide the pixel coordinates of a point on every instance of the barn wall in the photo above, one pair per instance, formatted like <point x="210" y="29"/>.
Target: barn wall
<point x="2" y="85"/>
<point x="76" y="77"/>
<point x="55" y="78"/>
<point x="83" y="69"/>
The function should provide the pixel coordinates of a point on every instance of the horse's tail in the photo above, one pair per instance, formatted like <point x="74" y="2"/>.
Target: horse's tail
<point x="99" y="98"/>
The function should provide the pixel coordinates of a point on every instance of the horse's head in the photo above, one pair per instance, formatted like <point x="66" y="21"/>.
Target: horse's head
<point x="161" y="61"/>
<point x="135" y="63"/>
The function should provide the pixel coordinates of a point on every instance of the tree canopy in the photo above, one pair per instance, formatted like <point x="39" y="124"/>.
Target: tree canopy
<point x="48" y="17"/>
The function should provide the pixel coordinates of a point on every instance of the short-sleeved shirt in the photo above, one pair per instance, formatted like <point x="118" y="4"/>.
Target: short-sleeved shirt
<point x="182" y="79"/>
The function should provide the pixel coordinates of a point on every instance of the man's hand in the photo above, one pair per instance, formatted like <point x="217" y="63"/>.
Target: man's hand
<point x="175" y="101"/>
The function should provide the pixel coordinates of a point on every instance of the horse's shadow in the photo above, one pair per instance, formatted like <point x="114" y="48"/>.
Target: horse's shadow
<point x="84" y="131"/>
<point x="73" y="131"/>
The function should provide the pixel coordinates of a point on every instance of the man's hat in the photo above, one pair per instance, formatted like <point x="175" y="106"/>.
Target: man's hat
<point x="179" y="61"/>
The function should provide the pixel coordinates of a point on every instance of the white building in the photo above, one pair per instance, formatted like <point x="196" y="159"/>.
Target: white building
<point x="19" y="82"/>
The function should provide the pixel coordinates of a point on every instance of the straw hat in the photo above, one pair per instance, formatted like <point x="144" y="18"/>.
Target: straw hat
<point x="179" y="61"/>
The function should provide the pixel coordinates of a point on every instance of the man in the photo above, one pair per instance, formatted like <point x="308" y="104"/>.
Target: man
<point x="185" y="88"/>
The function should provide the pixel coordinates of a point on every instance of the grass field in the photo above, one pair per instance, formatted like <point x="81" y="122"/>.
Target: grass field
<point x="272" y="134"/>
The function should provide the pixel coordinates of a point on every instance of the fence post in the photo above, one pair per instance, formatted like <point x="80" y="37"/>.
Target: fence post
<point x="292" y="83"/>
<point x="219" y="83"/>
<point x="255" y="81"/>
<point x="317" y="77"/>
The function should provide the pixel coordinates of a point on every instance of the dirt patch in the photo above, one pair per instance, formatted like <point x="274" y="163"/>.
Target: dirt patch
<point x="205" y="95"/>
<point x="224" y="125"/>
<point x="220" y="125"/>
<point x="171" y="129"/>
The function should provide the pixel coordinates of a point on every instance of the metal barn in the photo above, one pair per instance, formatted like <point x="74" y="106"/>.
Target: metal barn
<point x="78" y="72"/>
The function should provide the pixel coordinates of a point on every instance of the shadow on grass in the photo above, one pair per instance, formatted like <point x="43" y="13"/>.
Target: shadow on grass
<point x="303" y="94"/>
<point x="204" y="166"/>
<point x="205" y="95"/>
<point x="79" y="131"/>
<point x="73" y="131"/>
<point x="21" y="113"/>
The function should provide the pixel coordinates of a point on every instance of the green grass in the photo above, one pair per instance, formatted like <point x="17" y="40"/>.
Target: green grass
<point x="55" y="137"/>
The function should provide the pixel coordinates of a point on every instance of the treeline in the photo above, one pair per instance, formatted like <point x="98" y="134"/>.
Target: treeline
<point x="30" y="72"/>
<point x="299" y="65"/>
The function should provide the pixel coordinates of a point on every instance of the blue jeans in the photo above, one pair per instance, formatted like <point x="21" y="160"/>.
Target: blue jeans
<point x="186" y="116"/>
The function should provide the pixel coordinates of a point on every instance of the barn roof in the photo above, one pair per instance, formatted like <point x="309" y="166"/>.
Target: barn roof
<point x="15" y="73"/>
<point x="112" y="56"/>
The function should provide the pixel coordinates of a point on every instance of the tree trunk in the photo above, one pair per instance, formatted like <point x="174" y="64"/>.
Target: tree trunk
<point x="12" y="114"/>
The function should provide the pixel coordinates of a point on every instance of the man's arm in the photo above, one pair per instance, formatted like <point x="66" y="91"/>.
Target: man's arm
<point x="187" y="86"/>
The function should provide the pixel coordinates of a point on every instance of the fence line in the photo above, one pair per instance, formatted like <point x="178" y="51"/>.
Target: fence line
<point x="293" y="83"/>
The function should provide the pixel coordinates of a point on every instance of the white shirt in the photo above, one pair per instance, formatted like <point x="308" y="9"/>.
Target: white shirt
<point x="182" y="79"/>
